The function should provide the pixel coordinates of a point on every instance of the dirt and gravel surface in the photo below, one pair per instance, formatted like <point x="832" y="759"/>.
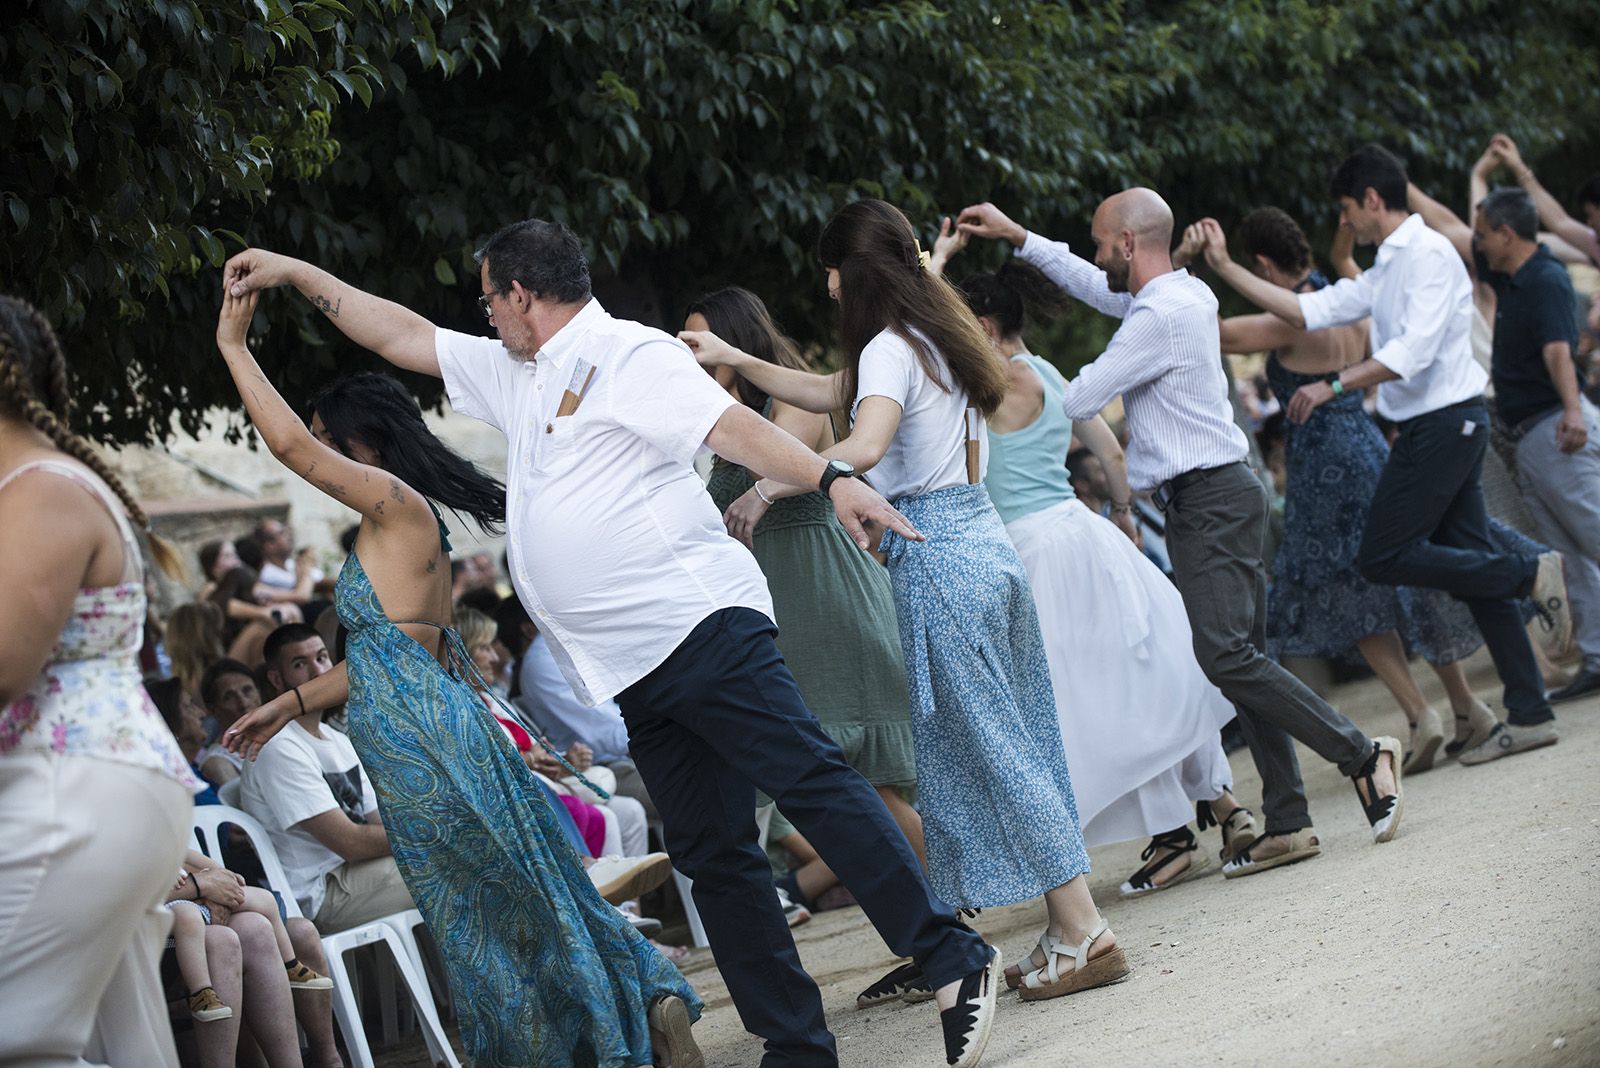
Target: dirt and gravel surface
<point x="1471" y="939"/>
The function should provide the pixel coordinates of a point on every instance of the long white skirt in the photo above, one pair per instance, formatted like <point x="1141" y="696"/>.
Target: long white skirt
<point x="1139" y="720"/>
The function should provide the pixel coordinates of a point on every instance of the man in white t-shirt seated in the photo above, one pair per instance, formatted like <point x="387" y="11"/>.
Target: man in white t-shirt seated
<point x="308" y="789"/>
<point x="545" y="698"/>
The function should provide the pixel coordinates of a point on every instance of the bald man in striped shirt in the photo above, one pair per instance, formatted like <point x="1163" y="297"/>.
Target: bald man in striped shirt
<point x="1165" y="361"/>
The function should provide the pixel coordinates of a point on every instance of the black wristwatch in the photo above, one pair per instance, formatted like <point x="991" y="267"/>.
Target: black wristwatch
<point x="836" y="469"/>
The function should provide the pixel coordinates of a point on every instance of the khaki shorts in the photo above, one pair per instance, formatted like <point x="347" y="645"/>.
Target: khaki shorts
<point x="360" y="891"/>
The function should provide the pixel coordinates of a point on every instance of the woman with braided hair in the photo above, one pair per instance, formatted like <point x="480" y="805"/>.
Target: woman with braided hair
<point x="94" y="793"/>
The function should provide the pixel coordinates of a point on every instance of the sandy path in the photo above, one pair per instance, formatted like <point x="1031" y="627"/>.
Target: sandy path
<point x="1472" y="939"/>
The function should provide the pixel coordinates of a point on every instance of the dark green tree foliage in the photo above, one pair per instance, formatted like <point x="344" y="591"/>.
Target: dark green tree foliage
<point x="691" y="143"/>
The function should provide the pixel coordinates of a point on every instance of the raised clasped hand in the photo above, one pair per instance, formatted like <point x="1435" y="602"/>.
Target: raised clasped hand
<point x="233" y="321"/>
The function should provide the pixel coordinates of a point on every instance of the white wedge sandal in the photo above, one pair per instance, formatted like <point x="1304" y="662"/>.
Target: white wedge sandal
<point x="1050" y="982"/>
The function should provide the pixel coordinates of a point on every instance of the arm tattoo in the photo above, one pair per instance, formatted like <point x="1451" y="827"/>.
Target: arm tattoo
<point x="433" y="566"/>
<point x="327" y="307"/>
<point x="397" y="491"/>
<point x="378" y="507"/>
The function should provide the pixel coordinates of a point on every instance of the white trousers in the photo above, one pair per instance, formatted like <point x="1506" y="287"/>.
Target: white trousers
<point x="88" y="850"/>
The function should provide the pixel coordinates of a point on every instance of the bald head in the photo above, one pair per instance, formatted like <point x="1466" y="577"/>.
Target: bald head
<point x="1143" y="213"/>
<point x="1133" y="238"/>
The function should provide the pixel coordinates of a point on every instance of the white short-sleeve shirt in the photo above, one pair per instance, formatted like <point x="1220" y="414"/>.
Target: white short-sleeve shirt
<point x="929" y="450"/>
<point x="298" y="776"/>
<point x="614" y="545"/>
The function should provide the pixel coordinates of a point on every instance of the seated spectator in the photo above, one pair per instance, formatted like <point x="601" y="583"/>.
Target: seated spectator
<point x="288" y="575"/>
<point x="544" y="697"/>
<point x="183" y="716"/>
<point x="217" y="558"/>
<point x="1089" y="482"/>
<point x="194" y="642"/>
<point x="309" y="790"/>
<point x="230" y="937"/>
<point x="246" y="619"/>
<point x="228" y="690"/>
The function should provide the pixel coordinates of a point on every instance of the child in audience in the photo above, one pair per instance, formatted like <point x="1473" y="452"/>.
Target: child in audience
<point x="192" y="911"/>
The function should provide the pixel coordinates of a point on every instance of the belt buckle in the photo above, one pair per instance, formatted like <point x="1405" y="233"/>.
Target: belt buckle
<point x="1162" y="497"/>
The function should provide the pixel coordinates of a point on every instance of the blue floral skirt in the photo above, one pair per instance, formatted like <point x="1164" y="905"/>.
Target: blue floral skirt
<point x="996" y="800"/>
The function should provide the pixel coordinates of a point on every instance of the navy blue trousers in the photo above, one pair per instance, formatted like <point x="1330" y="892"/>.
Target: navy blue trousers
<point x="1428" y="526"/>
<point x="720" y="718"/>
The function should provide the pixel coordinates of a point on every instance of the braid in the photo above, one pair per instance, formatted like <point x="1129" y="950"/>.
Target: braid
<point x="14" y="386"/>
<point x="60" y="399"/>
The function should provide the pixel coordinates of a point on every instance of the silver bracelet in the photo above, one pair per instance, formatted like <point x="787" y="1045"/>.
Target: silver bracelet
<point x="768" y="501"/>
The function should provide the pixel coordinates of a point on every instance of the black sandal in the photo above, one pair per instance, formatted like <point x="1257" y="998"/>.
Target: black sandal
<point x="1383" y="813"/>
<point x="904" y="981"/>
<point x="1181" y="842"/>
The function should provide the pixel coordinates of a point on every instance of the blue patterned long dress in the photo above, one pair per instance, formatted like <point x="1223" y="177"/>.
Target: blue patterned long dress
<point x="1319" y="605"/>
<point x="544" y="971"/>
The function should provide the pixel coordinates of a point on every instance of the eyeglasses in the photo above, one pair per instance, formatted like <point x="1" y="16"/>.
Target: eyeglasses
<point x="483" y="302"/>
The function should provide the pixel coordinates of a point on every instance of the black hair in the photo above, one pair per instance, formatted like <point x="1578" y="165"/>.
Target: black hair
<point x="249" y="550"/>
<point x="1075" y="460"/>
<point x="1011" y="295"/>
<point x="1511" y="206"/>
<point x="483" y="599"/>
<point x="288" y="634"/>
<point x="214" y="673"/>
<point x="1589" y="191"/>
<point x="347" y="539"/>
<point x="509" y="618"/>
<point x="1273" y="233"/>
<point x="1371" y="167"/>
<point x="544" y="256"/>
<point x="167" y="696"/>
<point x="376" y="410"/>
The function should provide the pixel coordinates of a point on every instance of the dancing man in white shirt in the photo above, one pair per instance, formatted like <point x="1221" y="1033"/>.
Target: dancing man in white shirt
<point x="1427" y="525"/>
<point x="1165" y="360"/>
<point x="630" y="575"/>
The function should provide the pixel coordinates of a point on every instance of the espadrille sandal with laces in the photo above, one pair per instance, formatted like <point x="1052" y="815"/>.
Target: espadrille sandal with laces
<point x="1162" y="853"/>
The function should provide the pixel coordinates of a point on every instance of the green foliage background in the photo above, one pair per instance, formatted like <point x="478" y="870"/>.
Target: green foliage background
<point x="691" y="143"/>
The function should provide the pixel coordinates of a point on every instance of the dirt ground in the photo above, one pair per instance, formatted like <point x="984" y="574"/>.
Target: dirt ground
<point x="1471" y="939"/>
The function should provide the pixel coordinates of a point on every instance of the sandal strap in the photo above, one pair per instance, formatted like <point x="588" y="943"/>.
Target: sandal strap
<point x="1079" y="953"/>
<point x="1375" y="806"/>
<point x="1204" y="818"/>
<point x="1181" y="842"/>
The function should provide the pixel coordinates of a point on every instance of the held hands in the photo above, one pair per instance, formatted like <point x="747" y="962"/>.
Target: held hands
<point x="710" y="349"/>
<point x="1572" y="433"/>
<point x="256" y="728"/>
<point x="219" y="886"/>
<point x="1216" y="243"/>
<point x="1505" y="149"/>
<point x="858" y="504"/>
<point x="233" y="322"/>
<point x="253" y="270"/>
<point x="1307" y="399"/>
<point x="986" y="220"/>
<point x="580" y="756"/>
<point x="743" y="515"/>
<point x="1192" y="245"/>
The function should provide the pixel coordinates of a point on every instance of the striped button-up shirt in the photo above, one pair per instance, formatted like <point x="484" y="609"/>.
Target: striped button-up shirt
<point x="1165" y="361"/>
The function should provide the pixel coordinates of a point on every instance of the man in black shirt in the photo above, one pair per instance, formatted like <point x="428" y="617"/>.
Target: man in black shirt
<point x="1536" y="388"/>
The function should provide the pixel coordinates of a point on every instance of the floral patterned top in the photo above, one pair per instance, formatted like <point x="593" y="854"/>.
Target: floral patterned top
<point x="89" y="699"/>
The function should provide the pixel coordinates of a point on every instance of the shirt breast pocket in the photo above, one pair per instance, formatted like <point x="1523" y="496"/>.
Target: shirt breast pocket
<point x="559" y="434"/>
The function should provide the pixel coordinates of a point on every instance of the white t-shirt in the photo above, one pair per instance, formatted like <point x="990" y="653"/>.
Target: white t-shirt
<point x="298" y="776"/>
<point x="929" y="451"/>
<point x="285" y="577"/>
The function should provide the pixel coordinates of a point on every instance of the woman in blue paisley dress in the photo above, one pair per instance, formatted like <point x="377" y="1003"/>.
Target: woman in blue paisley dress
<point x="543" y="970"/>
<point x="998" y="813"/>
<point x="1319" y="605"/>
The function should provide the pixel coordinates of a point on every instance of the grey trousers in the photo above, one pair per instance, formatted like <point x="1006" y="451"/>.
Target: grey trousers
<point x="1562" y="491"/>
<point x="1216" y="533"/>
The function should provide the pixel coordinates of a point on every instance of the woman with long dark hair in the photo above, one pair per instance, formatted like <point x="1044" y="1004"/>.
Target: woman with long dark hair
<point x="997" y="802"/>
<point x="833" y="602"/>
<point x="1139" y="719"/>
<point x="544" y="971"/>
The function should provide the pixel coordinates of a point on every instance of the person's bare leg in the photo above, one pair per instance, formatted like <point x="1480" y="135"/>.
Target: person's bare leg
<point x="811" y="872"/>
<point x="1453" y="677"/>
<point x="268" y="1008"/>
<point x="314" y="1008"/>
<point x="189" y="941"/>
<point x="909" y="819"/>
<point x="1385" y="654"/>
<point x="217" y="1041"/>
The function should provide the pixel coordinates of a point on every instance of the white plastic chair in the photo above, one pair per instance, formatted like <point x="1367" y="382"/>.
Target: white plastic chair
<point x="208" y="822"/>
<point x="228" y="792"/>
